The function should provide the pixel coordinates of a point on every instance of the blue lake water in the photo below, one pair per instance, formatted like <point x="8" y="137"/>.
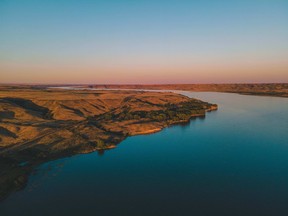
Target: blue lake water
<point x="233" y="162"/>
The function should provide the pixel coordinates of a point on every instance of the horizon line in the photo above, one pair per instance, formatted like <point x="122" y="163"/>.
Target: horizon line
<point x="145" y="84"/>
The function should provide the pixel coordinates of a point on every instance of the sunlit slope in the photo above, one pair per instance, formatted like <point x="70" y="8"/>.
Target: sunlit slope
<point x="47" y="123"/>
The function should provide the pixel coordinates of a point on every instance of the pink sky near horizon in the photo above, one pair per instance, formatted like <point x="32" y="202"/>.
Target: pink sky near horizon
<point x="140" y="73"/>
<point x="145" y="42"/>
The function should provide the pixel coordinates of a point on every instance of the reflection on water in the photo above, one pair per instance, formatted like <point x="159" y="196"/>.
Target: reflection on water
<point x="233" y="162"/>
<point x="45" y="173"/>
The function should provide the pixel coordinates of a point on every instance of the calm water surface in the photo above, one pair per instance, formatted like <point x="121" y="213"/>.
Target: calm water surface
<point x="233" y="162"/>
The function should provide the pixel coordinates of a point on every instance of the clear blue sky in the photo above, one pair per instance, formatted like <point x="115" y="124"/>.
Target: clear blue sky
<point x="164" y="41"/>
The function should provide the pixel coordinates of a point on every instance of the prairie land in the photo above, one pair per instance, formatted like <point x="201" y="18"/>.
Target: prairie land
<point x="38" y="125"/>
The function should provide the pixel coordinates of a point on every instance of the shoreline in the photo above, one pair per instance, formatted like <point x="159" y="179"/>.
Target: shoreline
<point x="176" y="90"/>
<point x="38" y="126"/>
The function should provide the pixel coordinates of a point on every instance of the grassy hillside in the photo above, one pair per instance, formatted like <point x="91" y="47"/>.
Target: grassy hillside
<point x="38" y="125"/>
<point x="261" y="89"/>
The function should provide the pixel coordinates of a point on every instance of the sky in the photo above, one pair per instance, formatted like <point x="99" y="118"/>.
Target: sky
<point x="143" y="41"/>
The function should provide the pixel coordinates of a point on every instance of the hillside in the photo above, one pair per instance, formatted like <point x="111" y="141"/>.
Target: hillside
<point x="38" y="125"/>
<point x="260" y="89"/>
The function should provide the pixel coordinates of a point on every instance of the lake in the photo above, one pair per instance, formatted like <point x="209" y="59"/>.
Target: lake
<point x="233" y="162"/>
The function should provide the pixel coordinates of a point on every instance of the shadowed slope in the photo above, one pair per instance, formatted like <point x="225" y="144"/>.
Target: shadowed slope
<point x="40" y="125"/>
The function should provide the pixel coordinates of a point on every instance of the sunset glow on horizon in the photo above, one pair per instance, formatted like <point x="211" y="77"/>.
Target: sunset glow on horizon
<point x="143" y="42"/>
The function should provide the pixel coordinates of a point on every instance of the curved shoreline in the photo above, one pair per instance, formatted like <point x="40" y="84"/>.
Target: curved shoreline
<point x="41" y="125"/>
<point x="257" y="89"/>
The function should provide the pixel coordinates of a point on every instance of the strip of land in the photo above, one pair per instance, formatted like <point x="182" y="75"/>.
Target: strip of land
<point x="39" y="124"/>
<point x="266" y="89"/>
